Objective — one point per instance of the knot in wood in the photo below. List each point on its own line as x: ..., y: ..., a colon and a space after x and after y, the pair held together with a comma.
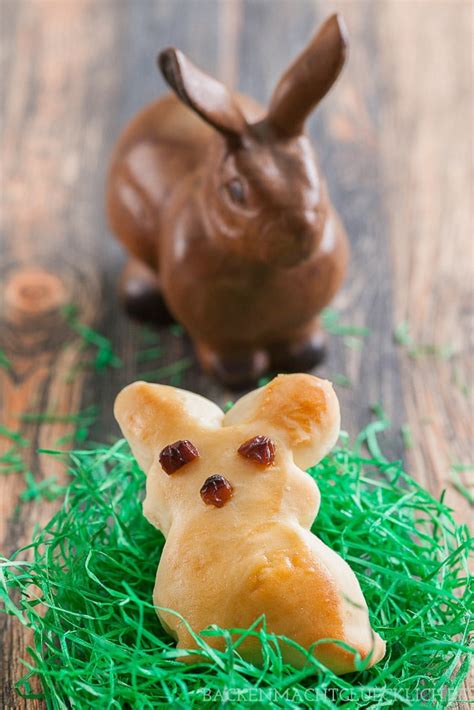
x: 34, y: 292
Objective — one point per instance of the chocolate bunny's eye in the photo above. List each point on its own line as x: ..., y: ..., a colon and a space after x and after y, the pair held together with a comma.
x: 235, y: 190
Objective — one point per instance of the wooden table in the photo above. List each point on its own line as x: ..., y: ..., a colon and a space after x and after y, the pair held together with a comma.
x: 394, y: 139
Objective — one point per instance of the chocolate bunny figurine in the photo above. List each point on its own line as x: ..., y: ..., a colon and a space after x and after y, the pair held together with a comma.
x: 227, y: 221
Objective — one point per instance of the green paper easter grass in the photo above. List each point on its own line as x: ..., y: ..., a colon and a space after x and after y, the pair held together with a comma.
x: 5, y: 362
x: 11, y: 461
x: 172, y: 369
x: 87, y: 590
x: 104, y: 356
x: 331, y: 322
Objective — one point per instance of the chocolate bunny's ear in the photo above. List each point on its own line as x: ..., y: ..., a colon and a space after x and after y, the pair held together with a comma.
x: 309, y: 78
x: 206, y: 96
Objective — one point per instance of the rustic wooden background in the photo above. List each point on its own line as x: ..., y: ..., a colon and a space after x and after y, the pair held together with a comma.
x: 394, y: 139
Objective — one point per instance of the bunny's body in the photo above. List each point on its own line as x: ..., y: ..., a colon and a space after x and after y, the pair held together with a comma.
x: 226, y: 217
x: 255, y: 554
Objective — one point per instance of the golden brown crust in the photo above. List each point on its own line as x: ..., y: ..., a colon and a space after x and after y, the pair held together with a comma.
x: 254, y: 555
x: 293, y: 404
x: 303, y: 410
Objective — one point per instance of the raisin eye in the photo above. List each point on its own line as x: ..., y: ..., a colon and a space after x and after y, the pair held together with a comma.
x: 173, y: 456
x: 235, y: 190
x: 260, y: 449
x: 216, y: 491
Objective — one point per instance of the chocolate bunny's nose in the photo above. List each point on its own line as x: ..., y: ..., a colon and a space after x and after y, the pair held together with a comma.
x: 287, y: 244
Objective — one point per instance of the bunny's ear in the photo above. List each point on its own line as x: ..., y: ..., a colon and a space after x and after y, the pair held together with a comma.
x: 203, y: 94
x: 309, y: 78
x: 153, y: 416
x: 301, y: 409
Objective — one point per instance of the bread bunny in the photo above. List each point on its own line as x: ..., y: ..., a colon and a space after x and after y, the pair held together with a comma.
x: 231, y: 497
x: 227, y: 220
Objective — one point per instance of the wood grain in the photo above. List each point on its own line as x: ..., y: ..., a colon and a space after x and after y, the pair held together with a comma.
x: 426, y: 153
x: 392, y: 141
x: 52, y: 146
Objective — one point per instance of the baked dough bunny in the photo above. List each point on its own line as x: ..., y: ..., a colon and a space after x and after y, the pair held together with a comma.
x: 230, y: 494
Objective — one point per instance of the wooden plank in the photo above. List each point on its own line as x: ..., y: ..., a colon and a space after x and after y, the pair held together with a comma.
x: 52, y: 146
x: 147, y: 28
x: 343, y: 129
x: 426, y: 151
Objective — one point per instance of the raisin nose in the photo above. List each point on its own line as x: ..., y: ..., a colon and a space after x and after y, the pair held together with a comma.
x: 216, y: 490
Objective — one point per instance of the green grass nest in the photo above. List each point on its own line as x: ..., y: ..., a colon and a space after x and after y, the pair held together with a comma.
x: 84, y: 586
